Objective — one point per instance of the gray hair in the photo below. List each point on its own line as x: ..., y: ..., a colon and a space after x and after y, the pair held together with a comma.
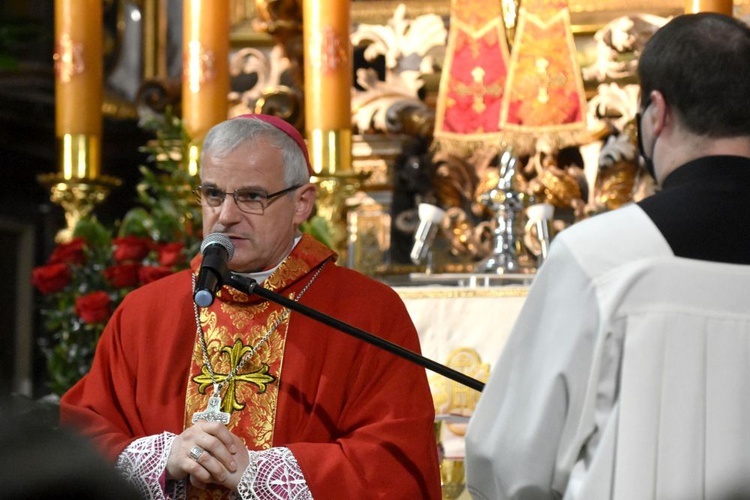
x: 227, y: 136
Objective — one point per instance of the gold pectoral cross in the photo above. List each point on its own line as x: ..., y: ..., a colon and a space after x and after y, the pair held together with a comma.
x: 259, y: 377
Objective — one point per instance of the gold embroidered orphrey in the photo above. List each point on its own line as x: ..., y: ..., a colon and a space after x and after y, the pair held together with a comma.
x: 239, y: 354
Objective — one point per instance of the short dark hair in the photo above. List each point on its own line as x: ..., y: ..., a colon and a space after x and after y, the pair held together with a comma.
x: 701, y: 64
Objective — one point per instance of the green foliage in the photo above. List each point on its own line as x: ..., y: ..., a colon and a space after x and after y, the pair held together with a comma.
x: 168, y: 209
x: 98, y: 236
x: 317, y: 227
x: 167, y: 215
x: 15, y: 34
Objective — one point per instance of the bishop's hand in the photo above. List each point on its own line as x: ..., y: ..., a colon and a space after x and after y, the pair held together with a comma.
x: 242, y: 459
x: 208, y: 453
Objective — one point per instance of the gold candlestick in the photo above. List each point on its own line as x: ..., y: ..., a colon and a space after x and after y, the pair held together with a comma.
x: 328, y: 84
x: 77, y: 197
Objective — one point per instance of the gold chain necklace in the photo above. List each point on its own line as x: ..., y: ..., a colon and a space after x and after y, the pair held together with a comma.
x: 213, y: 412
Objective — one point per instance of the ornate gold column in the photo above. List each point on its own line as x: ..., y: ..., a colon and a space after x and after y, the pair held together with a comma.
x: 725, y: 7
x: 154, y: 39
x: 79, y: 87
x: 328, y: 84
x: 205, y: 70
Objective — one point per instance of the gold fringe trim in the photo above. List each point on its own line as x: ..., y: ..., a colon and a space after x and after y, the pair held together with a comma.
x: 522, y: 143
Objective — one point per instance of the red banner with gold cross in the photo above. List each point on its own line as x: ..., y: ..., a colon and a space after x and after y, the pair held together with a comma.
x: 473, y: 77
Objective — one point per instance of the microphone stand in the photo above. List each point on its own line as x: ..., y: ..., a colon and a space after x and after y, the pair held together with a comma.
x: 250, y: 286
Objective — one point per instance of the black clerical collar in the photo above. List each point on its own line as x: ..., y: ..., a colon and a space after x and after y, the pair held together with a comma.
x: 708, y: 167
x: 698, y: 208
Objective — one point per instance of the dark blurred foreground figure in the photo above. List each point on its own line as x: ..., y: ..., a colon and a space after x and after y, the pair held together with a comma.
x: 626, y: 374
x: 308, y: 411
x: 39, y: 461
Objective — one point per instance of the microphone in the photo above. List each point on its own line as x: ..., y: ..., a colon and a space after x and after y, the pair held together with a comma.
x: 429, y: 220
x: 217, y: 250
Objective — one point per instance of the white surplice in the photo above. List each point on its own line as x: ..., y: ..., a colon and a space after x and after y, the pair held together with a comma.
x: 556, y: 418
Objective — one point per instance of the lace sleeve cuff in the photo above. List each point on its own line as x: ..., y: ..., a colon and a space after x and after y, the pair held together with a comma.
x: 273, y: 474
x: 144, y: 462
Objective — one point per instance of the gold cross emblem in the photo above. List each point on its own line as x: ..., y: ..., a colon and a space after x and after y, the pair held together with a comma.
x: 259, y: 377
x: 547, y: 80
x: 478, y: 90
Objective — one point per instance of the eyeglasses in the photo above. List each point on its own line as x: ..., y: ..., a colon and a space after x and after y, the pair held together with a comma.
x: 251, y: 201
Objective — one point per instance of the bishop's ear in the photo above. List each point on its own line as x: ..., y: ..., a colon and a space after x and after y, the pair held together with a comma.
x: 305, y: 203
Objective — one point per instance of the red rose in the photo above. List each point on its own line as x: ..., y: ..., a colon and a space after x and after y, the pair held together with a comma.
x: 123, y: 275
x: 147, y: 274
x: 51, y: 278
x: 131, y: 248
x: 94, y: 307
x: 69, y: 253
x: 170, y: 254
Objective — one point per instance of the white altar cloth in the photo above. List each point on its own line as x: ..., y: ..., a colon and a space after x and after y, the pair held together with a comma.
x: 465, y: 328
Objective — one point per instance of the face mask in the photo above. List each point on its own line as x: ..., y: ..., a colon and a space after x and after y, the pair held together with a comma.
x: 648, y: 162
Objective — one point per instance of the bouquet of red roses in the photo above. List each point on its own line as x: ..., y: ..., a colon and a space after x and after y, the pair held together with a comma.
x: 85, y: 279
x: 82, y: 283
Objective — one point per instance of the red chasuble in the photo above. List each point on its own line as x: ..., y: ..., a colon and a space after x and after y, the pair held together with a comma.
x: 358, y: 419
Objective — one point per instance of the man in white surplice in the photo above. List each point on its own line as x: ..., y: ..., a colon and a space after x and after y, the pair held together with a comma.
x: 545, y: 426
